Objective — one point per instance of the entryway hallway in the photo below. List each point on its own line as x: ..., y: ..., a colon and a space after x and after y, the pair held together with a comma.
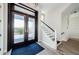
x: 46, y: 26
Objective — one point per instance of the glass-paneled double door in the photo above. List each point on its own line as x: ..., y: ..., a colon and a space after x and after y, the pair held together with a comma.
x: 23, y: 29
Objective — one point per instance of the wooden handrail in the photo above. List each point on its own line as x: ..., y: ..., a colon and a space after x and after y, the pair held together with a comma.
x: 47, y: 25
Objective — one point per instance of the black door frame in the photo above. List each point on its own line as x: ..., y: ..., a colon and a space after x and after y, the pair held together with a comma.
x: 10, y: 22
x: 25, y: 28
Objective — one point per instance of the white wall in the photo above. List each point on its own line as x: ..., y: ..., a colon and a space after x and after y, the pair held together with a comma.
x: 65, y: 19
x: 5, y: 27
x: 53, y: 17
x: 1, y: 28
x: 74, y: 25
x: 3, y: 40
x: 64, y: 27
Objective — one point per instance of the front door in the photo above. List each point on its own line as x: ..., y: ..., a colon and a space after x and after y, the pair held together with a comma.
x: 22, y: 26
x: 24, y: 29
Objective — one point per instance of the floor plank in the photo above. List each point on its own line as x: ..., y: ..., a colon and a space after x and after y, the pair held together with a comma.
x: 71, y: 47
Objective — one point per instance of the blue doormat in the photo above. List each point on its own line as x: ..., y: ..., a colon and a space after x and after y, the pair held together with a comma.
x: 28, y: 50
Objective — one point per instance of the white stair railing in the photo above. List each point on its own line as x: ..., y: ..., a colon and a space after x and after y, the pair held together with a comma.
x: 51, y: 33
x: 48, y: 30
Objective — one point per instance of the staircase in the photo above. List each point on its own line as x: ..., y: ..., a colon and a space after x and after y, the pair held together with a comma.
x: 49, y: 34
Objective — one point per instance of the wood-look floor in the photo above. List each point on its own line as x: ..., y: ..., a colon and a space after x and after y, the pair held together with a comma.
x: 71, y: 47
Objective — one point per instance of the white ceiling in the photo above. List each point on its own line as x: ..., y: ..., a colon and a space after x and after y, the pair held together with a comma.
x: 52, y: 6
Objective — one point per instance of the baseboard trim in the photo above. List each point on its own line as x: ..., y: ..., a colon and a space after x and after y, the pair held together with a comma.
x: 74, y: 39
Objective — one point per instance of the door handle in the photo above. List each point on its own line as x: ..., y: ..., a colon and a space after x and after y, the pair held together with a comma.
x: 0, y: 34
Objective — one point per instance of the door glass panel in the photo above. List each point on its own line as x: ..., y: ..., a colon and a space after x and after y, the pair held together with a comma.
x: 31, y: 28
x: 23, y: 10
x: 18, y: 28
